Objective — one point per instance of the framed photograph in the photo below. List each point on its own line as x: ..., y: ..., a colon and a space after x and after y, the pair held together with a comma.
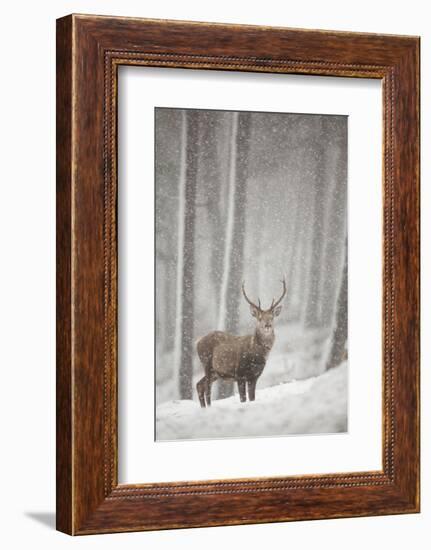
x: 237, y: 274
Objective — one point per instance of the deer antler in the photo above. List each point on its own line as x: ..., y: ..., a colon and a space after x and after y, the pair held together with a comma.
x: 248, y: 300
x: 274, y: 305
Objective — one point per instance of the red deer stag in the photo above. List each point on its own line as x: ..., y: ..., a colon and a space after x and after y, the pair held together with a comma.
x: 240, y: 358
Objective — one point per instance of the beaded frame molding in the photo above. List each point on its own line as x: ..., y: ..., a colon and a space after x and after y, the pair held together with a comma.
x: 89, y: 51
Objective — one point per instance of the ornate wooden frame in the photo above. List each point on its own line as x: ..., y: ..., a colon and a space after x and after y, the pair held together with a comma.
x: 89, y: 51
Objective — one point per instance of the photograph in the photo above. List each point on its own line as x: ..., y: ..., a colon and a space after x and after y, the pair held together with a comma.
x: 251, y: 270
x: 215, y: 284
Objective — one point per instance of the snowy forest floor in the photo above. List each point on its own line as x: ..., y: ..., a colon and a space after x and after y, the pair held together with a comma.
x: 311, y: 406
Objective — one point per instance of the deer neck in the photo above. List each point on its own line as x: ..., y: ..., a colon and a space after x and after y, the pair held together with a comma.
x: 264, y: 341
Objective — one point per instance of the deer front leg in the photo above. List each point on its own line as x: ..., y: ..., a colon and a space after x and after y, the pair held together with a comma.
x: 251, y: 386
x: 241, y: 389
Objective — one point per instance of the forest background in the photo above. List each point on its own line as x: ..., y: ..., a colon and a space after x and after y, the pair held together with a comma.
x: 254, y: 197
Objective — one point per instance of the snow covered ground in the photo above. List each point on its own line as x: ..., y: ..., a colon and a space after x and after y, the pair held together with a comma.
x: 310, y: 406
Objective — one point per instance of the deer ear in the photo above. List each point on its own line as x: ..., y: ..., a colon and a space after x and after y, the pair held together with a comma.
x: 254, y: 311
x: 277, y: 311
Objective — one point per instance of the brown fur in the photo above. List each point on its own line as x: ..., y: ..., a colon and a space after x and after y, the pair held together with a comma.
x: 239, y: 358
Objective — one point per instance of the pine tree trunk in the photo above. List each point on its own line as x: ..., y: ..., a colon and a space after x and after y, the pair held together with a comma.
x: 209, y: 166
x: 235, y: 233
x: 338, y: 351
x: 237, y: 248
x: 335, y: 226
x: 313, y: 310
x: 186, y: 254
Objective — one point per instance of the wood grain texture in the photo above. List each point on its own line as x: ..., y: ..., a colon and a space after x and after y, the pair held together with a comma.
x: 90, y: 49
x: 64, y: 497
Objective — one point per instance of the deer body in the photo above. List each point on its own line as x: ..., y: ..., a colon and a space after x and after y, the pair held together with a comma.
x: 239, y: 358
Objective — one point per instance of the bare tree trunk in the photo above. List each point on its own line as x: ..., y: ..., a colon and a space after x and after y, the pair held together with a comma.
x: 230, y: 221
x: 186, y: 253
x: 237, y: 245
x: 210, y: 174
x: 235, y: 233
x: 304, y: 263
x: 259, y: 245
x: 166, y: 206
x: 294, y: 263
x: 338, y: 351
x: 335, y: 226
x: 298, y: 208
x: 170, y: 285
x: 313, y: 310
x: 161, y: 305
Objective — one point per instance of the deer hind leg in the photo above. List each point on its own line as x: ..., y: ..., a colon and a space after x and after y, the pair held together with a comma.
x: 208, y: 391
x: 201, y: 388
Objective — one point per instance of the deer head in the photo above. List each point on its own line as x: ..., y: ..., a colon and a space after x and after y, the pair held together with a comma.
x: 265, y: 317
